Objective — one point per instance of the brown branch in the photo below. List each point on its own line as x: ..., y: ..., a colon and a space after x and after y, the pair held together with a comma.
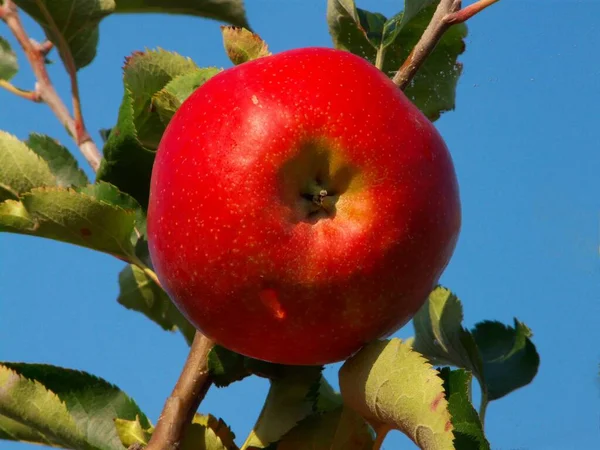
x: 448, y: 13
x: 189, y: 391
x: 35, y: 54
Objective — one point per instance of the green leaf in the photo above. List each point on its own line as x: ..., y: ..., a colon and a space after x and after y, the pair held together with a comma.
x: 433, y: 89
x: 75, y: 20
x: 502, y: 358
x: 392, y: 386
x: 169, y: 99
x: 226, y: 367
x: 206, y: 432
x: 290, y: 399
x: 440, y: 336
x: 60, y: 160
x: 367, y: 34
x: 130, y: 149
x: 73, y: 217
x: 62, y: 407
x: 132, y: 432
x: 340, y: 429
x: 231, y: 11
x: 21, y: 169
x: 510, y: 359
x: 242, y: 45
x: 468, y: 431
x: 140, y: 293
x: 8, y: 60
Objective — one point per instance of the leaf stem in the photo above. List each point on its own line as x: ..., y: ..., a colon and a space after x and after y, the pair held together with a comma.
x: 180, y: 407
x: 483, y: 407
x: 29, y: 95
x: 35, y: 54
x: 448, y: 13
x: 380, y: 434
x: 380, y: 57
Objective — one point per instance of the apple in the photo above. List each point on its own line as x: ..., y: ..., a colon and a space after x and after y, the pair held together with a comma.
x: 300, y: 207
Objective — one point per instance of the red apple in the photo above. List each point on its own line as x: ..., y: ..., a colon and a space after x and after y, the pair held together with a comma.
x: 300, y: 207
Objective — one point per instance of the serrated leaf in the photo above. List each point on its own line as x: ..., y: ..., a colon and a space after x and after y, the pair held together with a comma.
x: 130, y: 149
x: 288, y: 402
x: 126, y: 163
x: 440, y: 336
x: 231, y: 11
x: 169, y: 99
x: 358, y: 31
x: 468, y: 431
x: 225, y: 366
x: 210, y: 431
x: 73, y: 217
x: 340, y: 429
x: 132, y: 432
x: 139, y: 293
x: 61, y: 162
x: 392, y: 386
x: 242, y: 45
x: 21, y: 169
x: 206, y: 432
x: 38, y: 411
x: 8, y: 60
x: 68, y: 408
x: 76, y: 20
x: 510, y: 359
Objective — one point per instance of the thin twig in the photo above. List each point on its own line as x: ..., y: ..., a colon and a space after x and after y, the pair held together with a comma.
x: 189, y: 391
x: 447, y: 13
x: 81, y: 133
x: 35, y: 54
x: 29, y: 95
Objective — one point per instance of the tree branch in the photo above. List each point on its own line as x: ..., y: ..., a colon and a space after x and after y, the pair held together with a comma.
x: 189, y: 391
x: 447, y: 13
x: 35, y: 54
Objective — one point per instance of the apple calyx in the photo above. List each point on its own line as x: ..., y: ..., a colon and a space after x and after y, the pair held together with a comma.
x: 322, y: 201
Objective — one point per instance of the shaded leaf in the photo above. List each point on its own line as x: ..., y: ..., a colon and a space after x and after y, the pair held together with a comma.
x: 510, y: 359
x: 169, y: 99
x: 363, y: 33
x: 139, y: 293
x: 60, y: 160
x: 21, y: 169
x: 242, y: 45
x: 468, y: 431
x: 392, y: 386
x: 440, y: 336
x: 340, y: 429
x: 290, y: 399
x: 8, y: 60
x: 68, y: 408
x: 130, y: 149
x: 231, y: 11
x: 76, y: 20
x: 73, y: 217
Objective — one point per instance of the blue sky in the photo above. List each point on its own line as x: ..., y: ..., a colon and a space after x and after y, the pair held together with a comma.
x: 525, y: 141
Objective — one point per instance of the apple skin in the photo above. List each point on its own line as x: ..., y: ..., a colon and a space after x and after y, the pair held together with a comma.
x: 300, y: 207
